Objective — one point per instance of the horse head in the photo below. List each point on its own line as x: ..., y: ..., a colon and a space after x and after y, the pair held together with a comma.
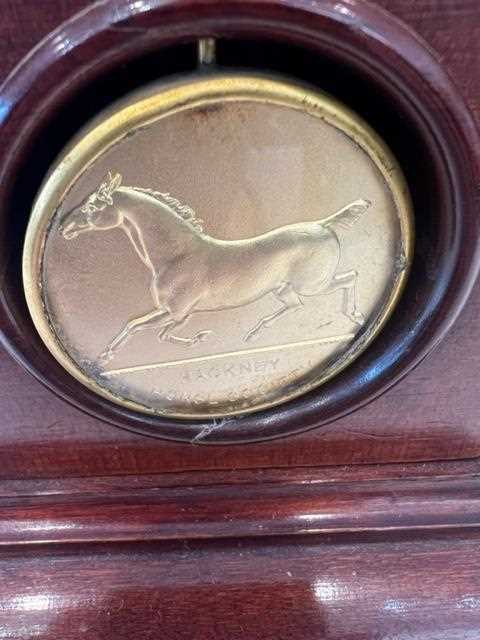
x: 96, y: 212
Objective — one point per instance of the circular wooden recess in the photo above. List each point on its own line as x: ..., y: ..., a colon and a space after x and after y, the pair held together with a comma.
x: 360, y: 54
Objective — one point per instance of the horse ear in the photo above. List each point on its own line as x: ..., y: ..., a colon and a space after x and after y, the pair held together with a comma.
x: 103, y: 188
x: 113, y: 182
x: 108, y: 186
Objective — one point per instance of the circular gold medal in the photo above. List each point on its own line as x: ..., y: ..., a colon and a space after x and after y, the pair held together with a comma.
x: 217, y: 246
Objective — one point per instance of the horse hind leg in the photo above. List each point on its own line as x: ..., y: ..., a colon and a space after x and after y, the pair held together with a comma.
x: 347, y: 282
x: 290, y: 301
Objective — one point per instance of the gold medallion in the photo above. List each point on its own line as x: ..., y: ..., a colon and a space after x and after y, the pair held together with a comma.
x: 217, y: 246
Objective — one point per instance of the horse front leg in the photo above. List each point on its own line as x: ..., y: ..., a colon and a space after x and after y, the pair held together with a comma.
x: 180, y: 302
x: 166, y: 335
x: 133, y: 326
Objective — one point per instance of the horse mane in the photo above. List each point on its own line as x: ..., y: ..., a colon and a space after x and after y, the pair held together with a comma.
x: 187, y: 214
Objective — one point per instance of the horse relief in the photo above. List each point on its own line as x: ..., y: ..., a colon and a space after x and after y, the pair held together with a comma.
x: 290, y: 263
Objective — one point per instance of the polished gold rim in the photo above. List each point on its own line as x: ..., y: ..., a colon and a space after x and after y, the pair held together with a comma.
x: 162, y: 101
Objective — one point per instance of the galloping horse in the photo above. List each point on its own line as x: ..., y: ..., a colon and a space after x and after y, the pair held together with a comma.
x: 193, y: 272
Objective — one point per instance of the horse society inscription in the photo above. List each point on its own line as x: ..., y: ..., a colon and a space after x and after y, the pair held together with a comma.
x: 217, y: 246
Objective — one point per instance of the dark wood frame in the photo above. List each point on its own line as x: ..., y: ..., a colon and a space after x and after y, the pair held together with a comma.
x: 376, y: 53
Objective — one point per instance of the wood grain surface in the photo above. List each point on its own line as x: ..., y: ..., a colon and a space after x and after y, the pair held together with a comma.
x: 365, y: 529
x: 358, y: 588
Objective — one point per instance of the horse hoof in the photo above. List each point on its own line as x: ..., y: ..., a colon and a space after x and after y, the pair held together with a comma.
x: 251, y: 336
x: 105, y: 357
x: 203, y: 335
x: 358, y: 318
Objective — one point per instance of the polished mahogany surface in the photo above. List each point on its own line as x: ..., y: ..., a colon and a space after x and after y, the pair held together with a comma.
x: 362, y: 529
x: 348, y: 588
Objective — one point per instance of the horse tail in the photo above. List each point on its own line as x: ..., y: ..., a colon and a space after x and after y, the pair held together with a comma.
x: 347, y: 216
